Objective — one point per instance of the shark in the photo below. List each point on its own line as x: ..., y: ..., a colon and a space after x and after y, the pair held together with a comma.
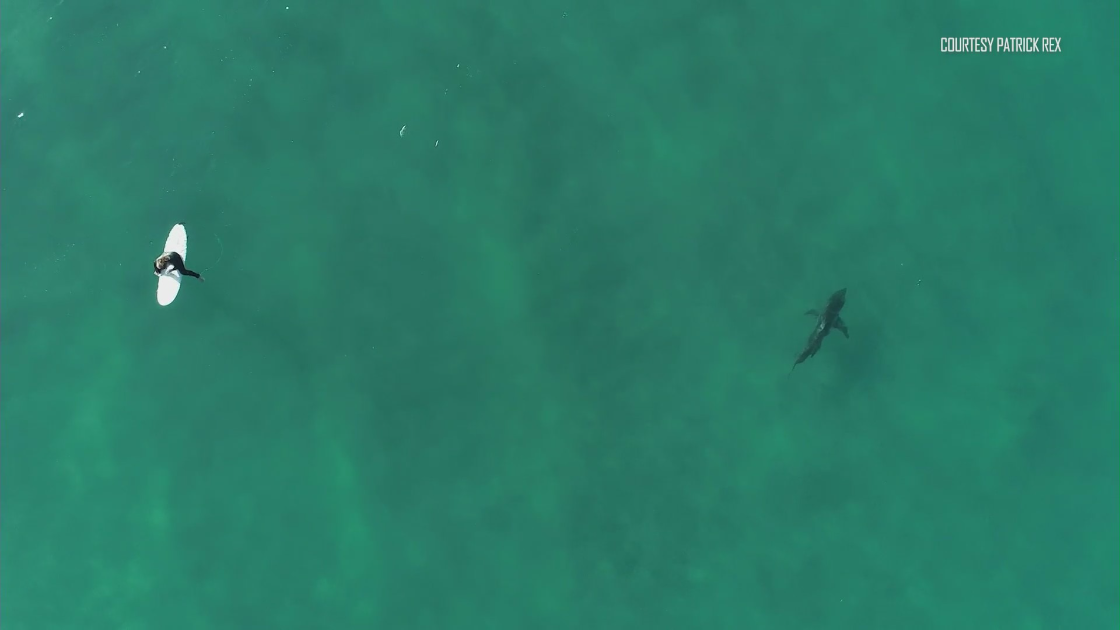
x: 827, y: 319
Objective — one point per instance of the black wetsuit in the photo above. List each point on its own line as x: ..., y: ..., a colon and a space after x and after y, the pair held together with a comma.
x: 175, y: 261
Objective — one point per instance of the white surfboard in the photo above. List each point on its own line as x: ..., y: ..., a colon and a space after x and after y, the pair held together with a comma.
x: 168, y: 285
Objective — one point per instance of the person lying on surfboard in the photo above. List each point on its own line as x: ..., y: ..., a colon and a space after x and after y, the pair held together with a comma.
x: 171, y: 261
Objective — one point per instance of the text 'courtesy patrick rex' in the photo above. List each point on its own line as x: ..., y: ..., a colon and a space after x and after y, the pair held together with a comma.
x: 1001, y: 44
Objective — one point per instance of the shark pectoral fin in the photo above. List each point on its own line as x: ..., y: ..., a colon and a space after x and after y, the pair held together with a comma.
x: 814, y: 312
x: 842, y: 327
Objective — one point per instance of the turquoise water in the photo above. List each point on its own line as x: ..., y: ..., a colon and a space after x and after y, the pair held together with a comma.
x: 501, y: 302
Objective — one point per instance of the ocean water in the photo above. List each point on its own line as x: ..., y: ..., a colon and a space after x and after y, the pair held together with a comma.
x: 501, y: 303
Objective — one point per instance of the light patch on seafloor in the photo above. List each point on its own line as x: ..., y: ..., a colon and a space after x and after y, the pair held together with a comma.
x: 137, y: 580
x: 324, y: 588
x: 87, y: 450
x: 29, y: 37
x: 354, y: 531
x: 157, y: 518
x: 88, y: 447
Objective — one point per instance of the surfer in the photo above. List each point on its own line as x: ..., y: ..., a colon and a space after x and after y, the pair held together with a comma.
x: 172, y: 261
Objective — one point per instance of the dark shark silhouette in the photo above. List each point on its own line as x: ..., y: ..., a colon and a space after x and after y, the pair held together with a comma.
x: 827, y: 319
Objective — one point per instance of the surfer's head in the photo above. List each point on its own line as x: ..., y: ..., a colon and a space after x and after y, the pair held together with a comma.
x: 162, y: 262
